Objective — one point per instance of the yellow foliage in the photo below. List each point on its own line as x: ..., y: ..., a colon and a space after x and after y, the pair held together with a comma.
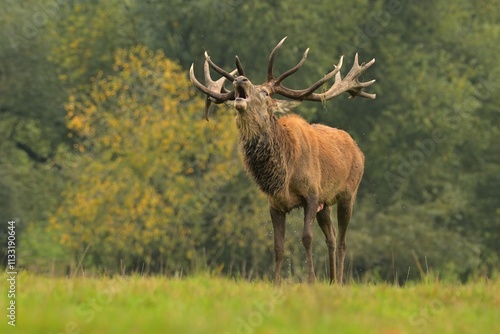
x: 150, y: 163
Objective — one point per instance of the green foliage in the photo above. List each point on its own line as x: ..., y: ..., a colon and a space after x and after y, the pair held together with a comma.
x: 85, y: 38
x: 31, y: 122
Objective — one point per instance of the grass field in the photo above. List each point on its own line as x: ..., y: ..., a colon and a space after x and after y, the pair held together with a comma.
x: 207, y: 304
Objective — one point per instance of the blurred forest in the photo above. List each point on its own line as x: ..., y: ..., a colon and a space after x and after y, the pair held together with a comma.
x: 108, y: 165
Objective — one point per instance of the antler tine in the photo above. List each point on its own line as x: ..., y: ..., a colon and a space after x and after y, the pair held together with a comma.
x: 214, y: 90
x: 213, y: 87
x: 216, y: 86
x: 334, y: 72
x: 299, y: 94
x: 354, y: 73
x: 293, y: 69
x: 218, y: 69
x: 349, y: 84
x: 270, y: 66
x: 241, y: 71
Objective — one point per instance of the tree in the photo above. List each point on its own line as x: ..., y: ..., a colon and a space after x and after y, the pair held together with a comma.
x: 31, y: 127
x: 427, y: 154
x: 149, y: 165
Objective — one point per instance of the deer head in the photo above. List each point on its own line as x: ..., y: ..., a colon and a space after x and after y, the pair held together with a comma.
x: 257, y: 102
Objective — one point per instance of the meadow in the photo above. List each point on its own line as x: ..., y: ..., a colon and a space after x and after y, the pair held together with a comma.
x: 208, y: 304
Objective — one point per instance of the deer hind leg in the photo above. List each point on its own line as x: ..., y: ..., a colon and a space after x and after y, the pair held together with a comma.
x: 310, y: 209
x: 278, y: 218
x: 344, y: 213
x: 326, y: 225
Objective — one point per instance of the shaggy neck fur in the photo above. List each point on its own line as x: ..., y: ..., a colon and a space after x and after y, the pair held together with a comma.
x: 263, y: 149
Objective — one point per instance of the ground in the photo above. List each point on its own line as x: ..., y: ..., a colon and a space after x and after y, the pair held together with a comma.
x: 208, y: 304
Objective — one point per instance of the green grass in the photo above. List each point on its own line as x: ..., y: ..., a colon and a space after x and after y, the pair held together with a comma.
x: 206, y: 304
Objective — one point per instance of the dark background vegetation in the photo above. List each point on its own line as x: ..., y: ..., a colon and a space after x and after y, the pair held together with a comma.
x: 107, y: 165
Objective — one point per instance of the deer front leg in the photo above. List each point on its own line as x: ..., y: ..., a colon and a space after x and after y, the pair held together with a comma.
x: 310, y: 210
x: 278, y: 218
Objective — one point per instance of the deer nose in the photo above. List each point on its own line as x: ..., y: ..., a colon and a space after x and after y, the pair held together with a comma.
x: 240, y: 80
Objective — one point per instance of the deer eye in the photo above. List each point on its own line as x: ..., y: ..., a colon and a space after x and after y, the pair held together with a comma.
x: 264, y: 92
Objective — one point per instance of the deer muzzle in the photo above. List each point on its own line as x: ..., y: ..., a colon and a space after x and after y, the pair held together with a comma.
x: 241, y: 85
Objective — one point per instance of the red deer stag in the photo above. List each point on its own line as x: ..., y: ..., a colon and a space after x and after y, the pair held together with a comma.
x: 295, y: 163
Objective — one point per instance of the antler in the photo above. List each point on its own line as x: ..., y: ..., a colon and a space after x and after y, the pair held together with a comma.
x: 349, y: 84
x: 215, y: 90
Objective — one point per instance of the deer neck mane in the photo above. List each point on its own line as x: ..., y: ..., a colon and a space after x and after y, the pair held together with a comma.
x: 264, y: 153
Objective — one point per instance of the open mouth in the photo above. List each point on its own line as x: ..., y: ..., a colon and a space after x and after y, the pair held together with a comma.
x: 241, y: 98
x: 240, y: 93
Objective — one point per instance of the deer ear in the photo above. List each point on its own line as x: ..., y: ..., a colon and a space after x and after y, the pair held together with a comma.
x: 284, y: 106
